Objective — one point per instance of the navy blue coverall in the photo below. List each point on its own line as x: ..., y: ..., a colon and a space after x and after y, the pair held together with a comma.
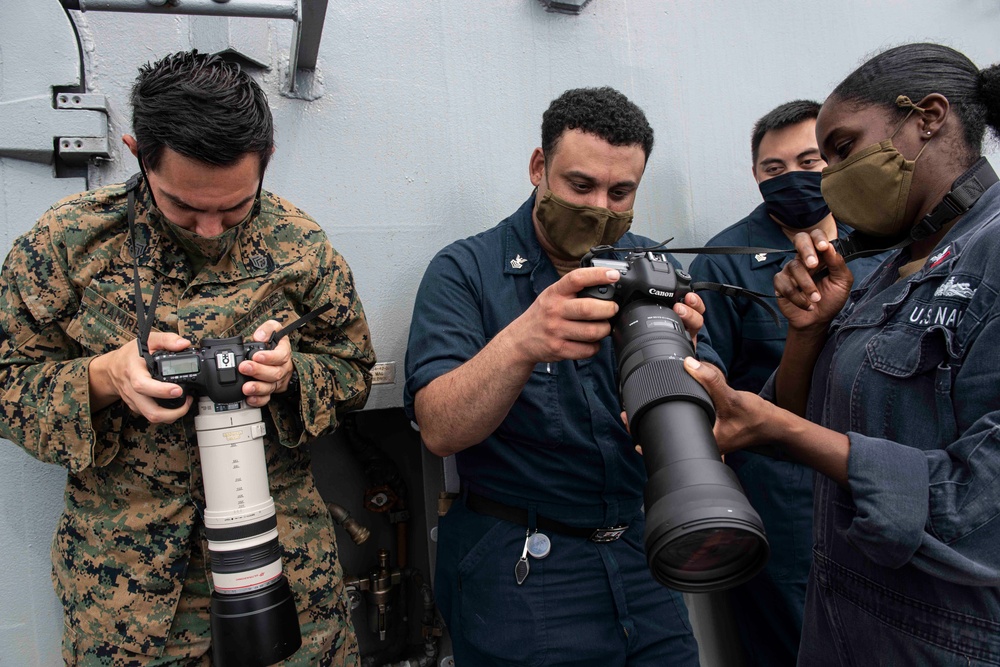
x: 562, y: 453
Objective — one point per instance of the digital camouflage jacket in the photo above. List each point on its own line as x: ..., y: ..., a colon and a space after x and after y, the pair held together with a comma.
x: 134, y: 490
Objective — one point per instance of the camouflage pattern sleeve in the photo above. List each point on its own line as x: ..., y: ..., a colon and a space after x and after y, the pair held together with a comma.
x: 333, y: 356
x: 45, y: 400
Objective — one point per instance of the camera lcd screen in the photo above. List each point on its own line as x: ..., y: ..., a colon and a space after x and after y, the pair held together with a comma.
x: 179, y: 366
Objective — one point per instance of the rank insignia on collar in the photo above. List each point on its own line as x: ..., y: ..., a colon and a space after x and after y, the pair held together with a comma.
x: 259, y: 262
x: 761, y: 256
x: 517, y: 262
x: 939, y: 257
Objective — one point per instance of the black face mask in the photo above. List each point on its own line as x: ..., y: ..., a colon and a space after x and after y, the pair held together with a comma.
x: 794, y: 199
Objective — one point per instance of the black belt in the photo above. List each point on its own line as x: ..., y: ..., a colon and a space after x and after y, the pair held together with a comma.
x: 519, y: 515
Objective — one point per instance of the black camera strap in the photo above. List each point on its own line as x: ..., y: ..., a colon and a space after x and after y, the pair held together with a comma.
x: 143, y: 317
x: 965, y: 192
x: 733, y: 291
x: 308, y: 317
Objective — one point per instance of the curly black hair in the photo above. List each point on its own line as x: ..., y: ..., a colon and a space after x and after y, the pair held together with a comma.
x: 600, y: 111
x: 202, y: 107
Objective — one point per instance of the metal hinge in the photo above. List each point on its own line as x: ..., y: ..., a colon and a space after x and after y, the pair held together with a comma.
x: 78, y: 150
x: 73, y: 124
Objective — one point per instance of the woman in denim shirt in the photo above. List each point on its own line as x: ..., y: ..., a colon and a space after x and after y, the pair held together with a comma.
x: 892, y: 390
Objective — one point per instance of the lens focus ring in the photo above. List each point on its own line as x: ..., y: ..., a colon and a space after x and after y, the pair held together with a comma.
x: 660, y: 380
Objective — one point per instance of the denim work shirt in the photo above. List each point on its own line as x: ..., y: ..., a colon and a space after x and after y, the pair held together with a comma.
x: 907, y: 558
x: 562, y: 446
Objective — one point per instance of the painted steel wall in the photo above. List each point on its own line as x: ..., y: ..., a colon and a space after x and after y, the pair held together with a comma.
x: 429, y: 112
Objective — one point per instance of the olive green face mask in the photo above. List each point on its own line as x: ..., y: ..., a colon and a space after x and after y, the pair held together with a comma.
x: 573, y: 229
x: 869, y: 190
x: 209, y: 248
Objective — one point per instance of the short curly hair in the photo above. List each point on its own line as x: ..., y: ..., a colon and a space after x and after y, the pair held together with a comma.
x: 604, y: 112
x: 202, y: 107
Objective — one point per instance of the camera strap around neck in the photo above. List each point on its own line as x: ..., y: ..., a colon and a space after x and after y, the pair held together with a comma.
x: 143, y: 317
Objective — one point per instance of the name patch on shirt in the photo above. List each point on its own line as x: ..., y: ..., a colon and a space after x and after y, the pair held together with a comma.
x: 948, y: 307
x: 943, y: 315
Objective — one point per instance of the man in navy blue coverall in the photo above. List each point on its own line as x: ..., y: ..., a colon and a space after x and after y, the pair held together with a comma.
x: 511, y: 372
x: 786, y: 166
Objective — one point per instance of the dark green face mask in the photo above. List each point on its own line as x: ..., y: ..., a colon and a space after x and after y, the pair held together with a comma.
x: 573, y: 229
x: 204, y: 249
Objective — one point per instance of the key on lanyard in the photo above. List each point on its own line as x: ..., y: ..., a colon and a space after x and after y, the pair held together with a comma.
x: 522, y: 568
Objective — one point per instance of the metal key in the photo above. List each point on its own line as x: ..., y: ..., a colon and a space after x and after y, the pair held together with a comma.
x: 522, y: 568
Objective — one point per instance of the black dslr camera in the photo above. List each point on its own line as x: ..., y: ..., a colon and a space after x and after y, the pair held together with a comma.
x: 210, y: 370
x: 643, y: 276
x: 702, y: 535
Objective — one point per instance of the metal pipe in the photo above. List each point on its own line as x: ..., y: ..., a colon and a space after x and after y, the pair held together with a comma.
x: 276, y: 9
x: 357, y: 532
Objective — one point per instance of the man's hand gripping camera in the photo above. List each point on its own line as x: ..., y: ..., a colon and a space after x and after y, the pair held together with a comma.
x: 213, y: 369
x: 643, y: 276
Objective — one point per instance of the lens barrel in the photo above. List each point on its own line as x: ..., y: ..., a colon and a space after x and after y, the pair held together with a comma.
x: 255, y: 629
x: 702, y: 534
x: 253, y: 616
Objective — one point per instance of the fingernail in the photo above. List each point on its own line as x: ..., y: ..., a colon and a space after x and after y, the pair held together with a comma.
x: 681, y: 310
x: 811, y: 261
x: 814, y: 297
x: 613, y: 274
x: 176, y: 391
x: 692, y: 363
x: 259, y: 335
x: 821, y: 245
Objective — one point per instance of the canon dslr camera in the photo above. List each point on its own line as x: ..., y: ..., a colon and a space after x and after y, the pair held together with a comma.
x: 702, y: 535
x: 210, y: 370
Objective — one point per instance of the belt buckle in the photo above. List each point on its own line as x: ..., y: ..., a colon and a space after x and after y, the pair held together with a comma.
x: 604, y: 535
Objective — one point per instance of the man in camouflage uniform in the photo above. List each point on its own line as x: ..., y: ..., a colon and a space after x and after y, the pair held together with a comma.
x: 129, y: 552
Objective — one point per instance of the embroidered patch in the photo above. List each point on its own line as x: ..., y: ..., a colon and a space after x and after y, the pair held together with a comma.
x: 259, y: 262
x: 517, y: 262
x: 942, y: 315
x: 952, y: 288
x: 940, y: 257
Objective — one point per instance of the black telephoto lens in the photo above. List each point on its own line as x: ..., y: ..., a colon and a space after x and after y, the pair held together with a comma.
x: 702, y: 535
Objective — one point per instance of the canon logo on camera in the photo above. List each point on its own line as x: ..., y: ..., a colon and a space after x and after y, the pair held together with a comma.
x: 656, y: 292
